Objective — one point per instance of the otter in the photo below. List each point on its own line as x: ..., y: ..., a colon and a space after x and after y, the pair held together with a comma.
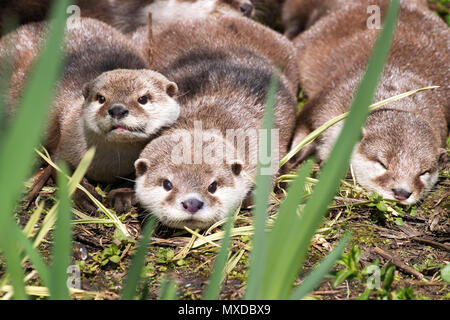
x: 128, y: 15
x: 106, y: 97
x: 300, y: 15
x: 247, y: 33
x: 194, y: 174
x: 403, y: 143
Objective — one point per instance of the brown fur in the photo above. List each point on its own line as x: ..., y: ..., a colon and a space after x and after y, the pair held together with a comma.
x: 408, y: 134
x: 299, y: 15
x: 223, y: 78
x: 125, y: 15
x: 226, y: 33
x: 98, y: 61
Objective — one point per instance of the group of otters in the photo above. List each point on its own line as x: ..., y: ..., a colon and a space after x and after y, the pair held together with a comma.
x: 209, y: 70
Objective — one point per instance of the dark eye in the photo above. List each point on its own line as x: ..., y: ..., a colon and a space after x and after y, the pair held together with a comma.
x: 381, y: 163
x: 101, y: 99
x: 212, y: 187
x: 167, y: 185
x: 143, y: 100
x: 424, y: 173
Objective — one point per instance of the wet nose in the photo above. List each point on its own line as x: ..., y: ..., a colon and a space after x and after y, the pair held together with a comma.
x: 401, y: 194
x: 118, y: 111
x: 192, y: 205
x: 246, y: 9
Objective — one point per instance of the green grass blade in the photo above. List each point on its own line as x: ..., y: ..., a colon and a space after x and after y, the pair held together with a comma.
x: 62, y: 242
x: 75, y: 183
x: 212, y: 292
x: 262, y: 192
x: 34, y: 256
x: 168, y: 290
x: 313, y: 279
x: 20, y: 139
x: 286, y: 225
x: 138, y: 261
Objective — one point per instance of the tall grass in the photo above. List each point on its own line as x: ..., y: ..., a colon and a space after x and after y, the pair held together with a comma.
x: 276, y: 256
x: 21, y: 138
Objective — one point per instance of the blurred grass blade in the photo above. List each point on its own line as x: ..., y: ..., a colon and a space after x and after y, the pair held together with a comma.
x: 335, y: 167
x: 212, y: 292
x: 62, y: 242
x: 263, y: 190
x: 313, y: 279
x: 75, y: 183
x: 167, y: 290
x: 34, y: 256
x: 29, y: 227
x: 138, y: 262
x: 16, y: 156
x: 286, y: 224
x: 313, y: 135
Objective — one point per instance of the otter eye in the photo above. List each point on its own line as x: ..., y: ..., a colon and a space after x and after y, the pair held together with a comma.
x: 212, y: 187
x: 143, y: 100
x: 424, y: 173
x: 167, y: 185
x: 101, y: 99
x: 381, y: 164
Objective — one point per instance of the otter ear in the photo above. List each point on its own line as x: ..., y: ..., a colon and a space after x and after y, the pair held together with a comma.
x: 141, y: 166
x: 236, y: 167
x: 171, y: 89
x: 86, y: 89
x: 443, y: 159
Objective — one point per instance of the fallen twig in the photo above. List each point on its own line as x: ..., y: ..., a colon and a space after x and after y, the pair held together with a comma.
x: 433, y: 243
x: 398, y: 263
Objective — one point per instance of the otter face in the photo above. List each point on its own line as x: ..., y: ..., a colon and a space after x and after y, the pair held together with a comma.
x: 180, y: 10
x: 129, y: 105
x: 195, y: 196
x: 399, y: 162
x: 187, y: 194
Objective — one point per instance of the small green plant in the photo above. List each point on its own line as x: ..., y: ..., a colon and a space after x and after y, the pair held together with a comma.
x: 388, y: 211
x: 378, y: 281
x: 350, y: 261
x: 445, y: 273
x: 109, y: 254
x: 442, y: 8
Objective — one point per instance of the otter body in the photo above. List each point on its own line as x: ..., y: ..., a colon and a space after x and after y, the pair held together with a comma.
x: 403, y: 142
x: 193, y: 174
x: 106, y: 98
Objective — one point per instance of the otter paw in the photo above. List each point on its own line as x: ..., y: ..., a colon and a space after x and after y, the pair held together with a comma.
x: 122, y: 199
x: 84, y: 203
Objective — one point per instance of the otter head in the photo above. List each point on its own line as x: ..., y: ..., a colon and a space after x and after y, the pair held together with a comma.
x: 126, y: 106
x: 181, y: 190
x: 398, y: 156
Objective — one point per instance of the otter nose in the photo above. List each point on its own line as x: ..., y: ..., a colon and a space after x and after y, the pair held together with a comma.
x: 401, y: 194
x: 118, y: 111
x: 192, y: 205
x: 246, y: 9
